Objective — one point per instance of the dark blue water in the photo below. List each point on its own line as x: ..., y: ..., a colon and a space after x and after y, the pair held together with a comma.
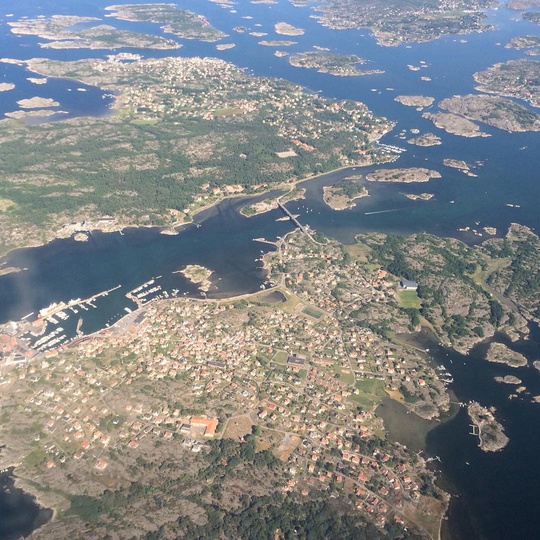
x: 19, y: 513
x: 497, y: 492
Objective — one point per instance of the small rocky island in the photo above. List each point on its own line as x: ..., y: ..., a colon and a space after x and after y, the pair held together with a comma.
x: 198, y: 275
x: 523, y: 42
x: 342, y: 65
x: 426, y: 139
x: 342, y: 195
x: 419, y: 196
x: 532, y: 16
x: 286, y: 29
x: 37, y: 103
x: 458, y: 164
x: 491, y: 437
x: 412, y: 174
x: 508, y: 379
x: 276, y: 43
x: 415, y: 101
x: 500, y: 353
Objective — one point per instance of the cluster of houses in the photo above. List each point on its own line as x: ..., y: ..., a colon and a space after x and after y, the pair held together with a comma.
x: 284, y: 368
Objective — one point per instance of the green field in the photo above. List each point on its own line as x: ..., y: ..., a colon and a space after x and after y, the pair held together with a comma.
x: 371, y: 392
x: 312, y: 312
x: 347, y: 378
x: 409, y: 299
x: 280, y: 357
x: 5, y: 204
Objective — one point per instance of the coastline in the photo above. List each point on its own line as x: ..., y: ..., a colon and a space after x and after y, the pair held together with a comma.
x: 286, y: 187
x: 46, y: 509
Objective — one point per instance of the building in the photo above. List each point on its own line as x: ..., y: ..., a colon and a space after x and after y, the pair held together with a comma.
x: 296, y: 360
x: 208, y: 425
x: 408, y: 285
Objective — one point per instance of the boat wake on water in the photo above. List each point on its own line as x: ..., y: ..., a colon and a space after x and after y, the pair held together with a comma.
x: 381, y: 211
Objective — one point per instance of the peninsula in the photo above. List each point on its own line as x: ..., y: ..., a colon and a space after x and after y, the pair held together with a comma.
x: 258, y: 401
x: 278, y: 393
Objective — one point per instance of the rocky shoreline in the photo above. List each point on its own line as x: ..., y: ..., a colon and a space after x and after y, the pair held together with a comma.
x: 491, y: 437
